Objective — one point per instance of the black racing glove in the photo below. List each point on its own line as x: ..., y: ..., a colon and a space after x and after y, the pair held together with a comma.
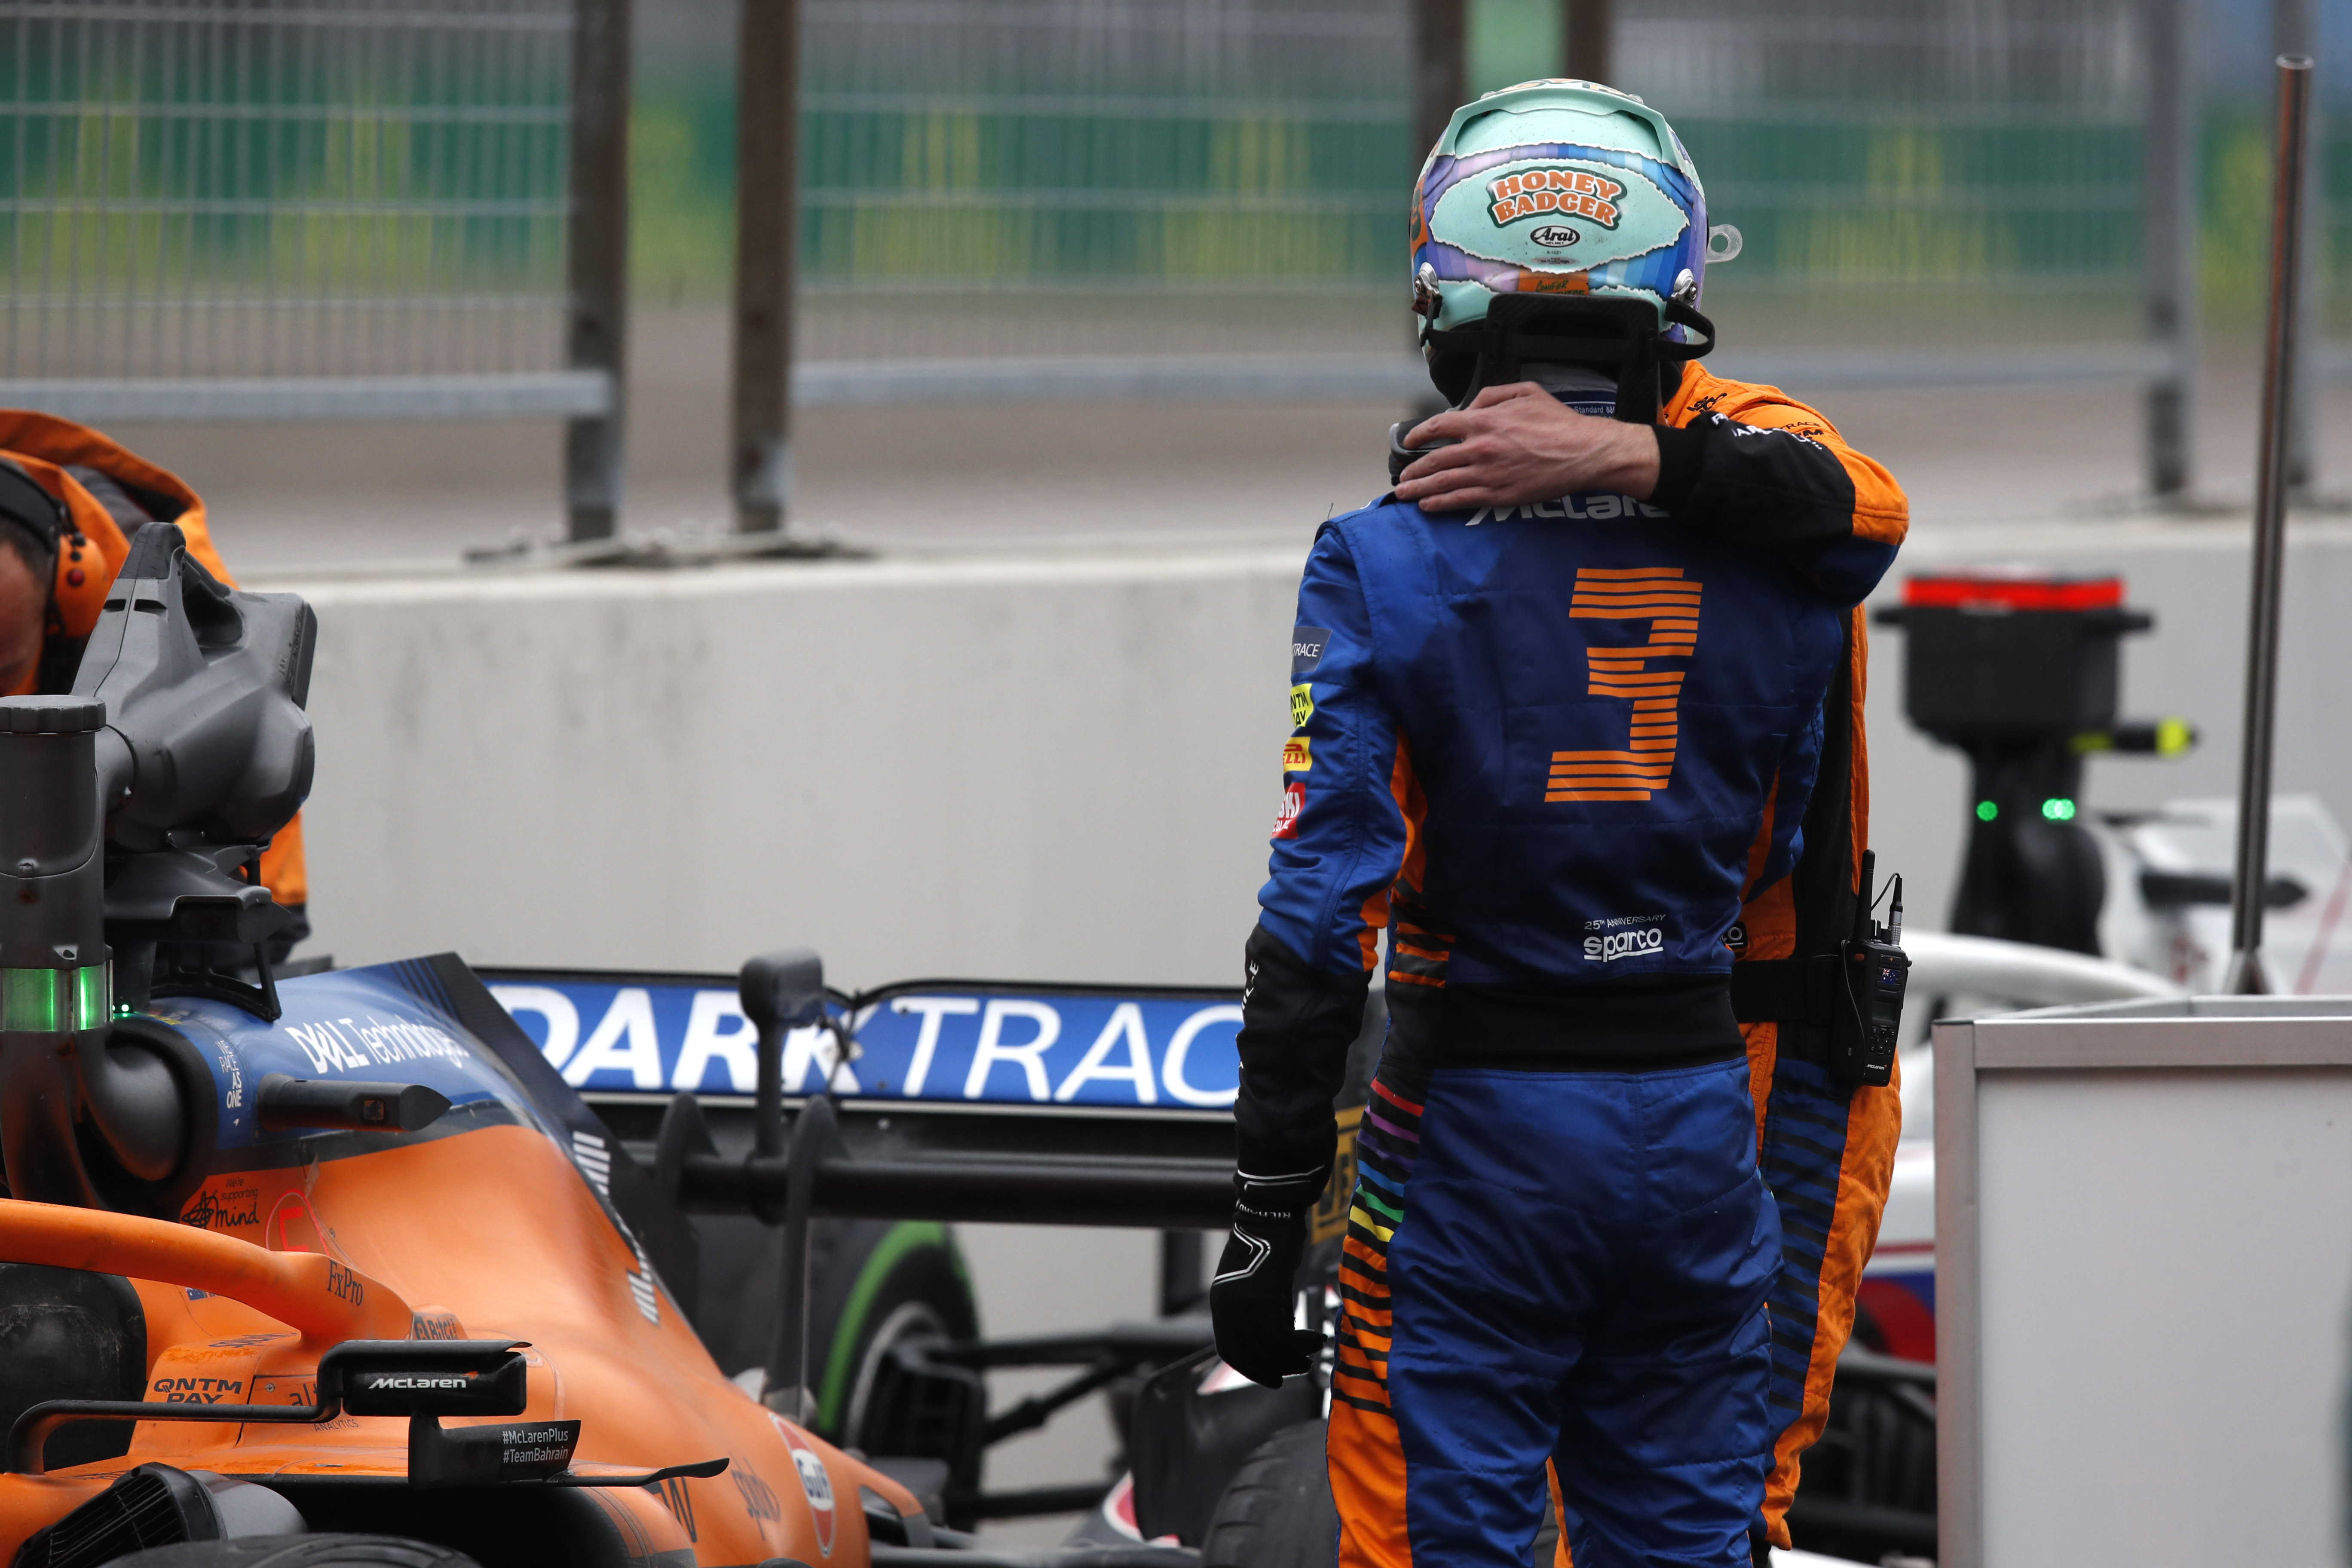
x: 1251, y: 1300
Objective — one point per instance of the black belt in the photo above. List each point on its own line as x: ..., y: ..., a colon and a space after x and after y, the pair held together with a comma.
x: 1644, y: 1026
x: 1797, y: 993
x: 1785, y: 990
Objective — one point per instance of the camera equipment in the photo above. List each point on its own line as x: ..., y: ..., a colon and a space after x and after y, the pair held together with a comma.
x: 2018, y: 668
x: 127, y: 811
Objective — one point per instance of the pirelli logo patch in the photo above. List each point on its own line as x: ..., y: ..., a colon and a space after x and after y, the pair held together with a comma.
x: 1649, y: 674
x: 1295, y: 756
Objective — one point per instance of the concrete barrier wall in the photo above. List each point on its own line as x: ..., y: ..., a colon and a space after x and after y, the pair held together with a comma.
x: 1041, y: 768
x: 1037, y: 769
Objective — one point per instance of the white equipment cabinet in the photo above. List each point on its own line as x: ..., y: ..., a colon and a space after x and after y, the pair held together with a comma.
x: 2144, y: 1282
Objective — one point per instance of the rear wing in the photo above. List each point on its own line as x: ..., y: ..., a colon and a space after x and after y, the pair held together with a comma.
x: 623, y: 1037
x: 955, y: 1100
x: 947, y: 1099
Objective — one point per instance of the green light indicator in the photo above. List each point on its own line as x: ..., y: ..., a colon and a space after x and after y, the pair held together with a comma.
x: 93, y: 994
x: 2058, y: 809
x: 55, y: 1001
x: 1987, y: 811
x: 28, y: 1000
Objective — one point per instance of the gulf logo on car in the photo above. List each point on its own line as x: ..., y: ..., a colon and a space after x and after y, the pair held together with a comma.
x: 814, y: 1483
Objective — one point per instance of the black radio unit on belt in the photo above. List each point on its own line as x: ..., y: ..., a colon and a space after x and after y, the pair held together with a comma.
x: 1867, y: 1019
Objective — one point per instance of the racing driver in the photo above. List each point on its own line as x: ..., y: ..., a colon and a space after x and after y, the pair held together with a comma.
x: 1576, y: 720
x: 70, y: 500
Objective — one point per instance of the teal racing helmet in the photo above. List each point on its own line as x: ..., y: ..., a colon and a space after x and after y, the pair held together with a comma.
x: 1560, y: 221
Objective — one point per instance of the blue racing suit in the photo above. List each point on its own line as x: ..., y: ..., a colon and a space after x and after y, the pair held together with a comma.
x: 1553, y: 750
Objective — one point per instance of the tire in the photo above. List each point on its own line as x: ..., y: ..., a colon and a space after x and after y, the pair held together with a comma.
x: 68, y: 1334
x: 888, y: 1285
x: 873, y: 1283
x: 1277, y: 1512
x: 333, y: 1550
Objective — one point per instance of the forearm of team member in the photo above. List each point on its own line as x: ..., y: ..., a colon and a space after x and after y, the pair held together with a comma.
x: 1518, y: 444
x: 1756, y: 470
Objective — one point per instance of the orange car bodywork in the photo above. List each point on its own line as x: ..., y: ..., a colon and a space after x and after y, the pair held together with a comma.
x: 487, y: 1231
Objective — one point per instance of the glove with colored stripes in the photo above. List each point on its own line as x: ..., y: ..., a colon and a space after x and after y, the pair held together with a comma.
x: 1251, y: 1300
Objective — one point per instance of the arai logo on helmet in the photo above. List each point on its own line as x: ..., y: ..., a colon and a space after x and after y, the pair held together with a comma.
x: 1555, y: 236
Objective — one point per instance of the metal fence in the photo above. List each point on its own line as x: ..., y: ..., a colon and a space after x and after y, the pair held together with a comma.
x: 1028, y: 178
x: 214, y: 208
x: 1001, y: 182
x: 1933, y: 149
x: 198, y: 190
x: 1159, y: 177
x: 1143, y: 198
x: 288, y: 209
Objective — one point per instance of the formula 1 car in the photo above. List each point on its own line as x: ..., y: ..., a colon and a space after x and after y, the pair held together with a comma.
x: 340, y: 1269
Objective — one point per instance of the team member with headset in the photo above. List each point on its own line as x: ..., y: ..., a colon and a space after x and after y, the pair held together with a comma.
x: 70, y: 502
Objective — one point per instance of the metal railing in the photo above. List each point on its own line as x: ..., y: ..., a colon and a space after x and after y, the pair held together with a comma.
x: 1133, y: 198
x: 277, y: 209
x: 316, y: 209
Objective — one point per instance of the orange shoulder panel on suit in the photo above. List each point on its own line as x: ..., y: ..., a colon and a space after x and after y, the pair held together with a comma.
x: 1881, y: 511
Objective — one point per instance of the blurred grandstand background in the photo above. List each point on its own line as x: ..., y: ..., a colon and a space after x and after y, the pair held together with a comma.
x: 358, y: 208
x: 331, y: 189
x: 1191, y: 178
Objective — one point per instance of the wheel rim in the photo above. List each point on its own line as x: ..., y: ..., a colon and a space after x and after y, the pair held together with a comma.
x: 907, y: 1322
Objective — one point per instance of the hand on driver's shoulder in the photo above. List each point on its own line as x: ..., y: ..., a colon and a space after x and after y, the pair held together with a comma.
x: 1518, y: 444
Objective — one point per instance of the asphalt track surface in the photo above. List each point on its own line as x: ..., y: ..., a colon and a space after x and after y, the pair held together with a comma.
x: 1071, y: 475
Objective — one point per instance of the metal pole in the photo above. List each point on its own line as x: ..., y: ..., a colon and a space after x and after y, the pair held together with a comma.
x: 1585, y: 31
x: 814, y: 1134
x: 1441, y: 74
x: 2168, y: 248
x: 2294, y: 30
x: 596, y: 328
x: 767, y: 197
x: 2246, y: 976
